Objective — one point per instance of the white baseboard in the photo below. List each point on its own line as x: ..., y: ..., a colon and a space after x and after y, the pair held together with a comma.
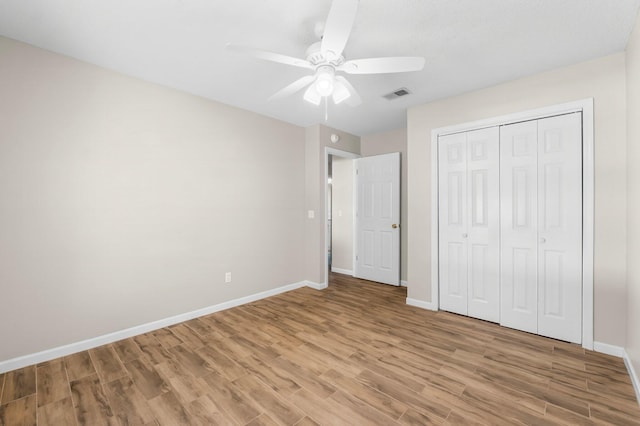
x: 421, y: 304
x: 403, y: 283
x: 619, y: 351
x: 49, y: 354
x: 632, y: 373
x: 342, y: 271
x: 317, y: 286
x: 607, y: 349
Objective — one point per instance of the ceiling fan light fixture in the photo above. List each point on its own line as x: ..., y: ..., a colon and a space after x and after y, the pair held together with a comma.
x: 340, y: 93
x: 312, y: 96
x: 325, y: 81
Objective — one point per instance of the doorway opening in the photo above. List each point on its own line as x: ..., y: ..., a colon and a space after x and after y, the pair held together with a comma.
x: 339, y: 212
x: 340, y: 215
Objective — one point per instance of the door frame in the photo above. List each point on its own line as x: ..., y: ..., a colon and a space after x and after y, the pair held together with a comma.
x: 584, y: 106
x: 343, y: 154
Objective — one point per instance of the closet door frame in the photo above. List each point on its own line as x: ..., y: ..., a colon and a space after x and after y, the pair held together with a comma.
x: 584, y: 106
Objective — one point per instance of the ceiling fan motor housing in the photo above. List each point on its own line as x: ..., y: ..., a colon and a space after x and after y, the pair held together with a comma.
x: 317, y: 57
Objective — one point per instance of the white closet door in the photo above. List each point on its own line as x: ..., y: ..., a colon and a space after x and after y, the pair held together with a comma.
x: 452, y: 193
x: 541, y: 227
x: 469, y: 243
x: 519, y: 222
x: 560, y: 227
x: 483, y: 177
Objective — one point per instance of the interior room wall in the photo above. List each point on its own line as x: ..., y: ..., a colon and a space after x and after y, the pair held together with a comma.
x: 633, y: 215
x: 342, y: 215
x: 317, y: 138
x: 385, y: 143
x: 602, y: 79
x: 124, y: 202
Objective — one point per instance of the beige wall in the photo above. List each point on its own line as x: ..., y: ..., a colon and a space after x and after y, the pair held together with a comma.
x: 633, y: 170
x: 604, y: 80
x: 318, y: 137
x: 342, y: 214
x: 385, y: 143
x: 124, y: 202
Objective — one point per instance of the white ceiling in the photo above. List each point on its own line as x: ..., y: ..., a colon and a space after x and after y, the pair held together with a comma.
x: 468, y: 44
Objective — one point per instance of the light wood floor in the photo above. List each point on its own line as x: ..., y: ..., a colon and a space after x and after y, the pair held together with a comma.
x: 351, y: 354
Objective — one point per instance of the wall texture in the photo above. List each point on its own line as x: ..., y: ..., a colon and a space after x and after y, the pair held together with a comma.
x: 342, y: 214
x: 633, y: 215
x: 604, y: 80
x: 124, y: 202
x: 385, y: 143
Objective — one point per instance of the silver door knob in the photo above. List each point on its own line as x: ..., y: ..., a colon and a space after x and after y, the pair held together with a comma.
x: 543, y: 240
x: 464, y: 235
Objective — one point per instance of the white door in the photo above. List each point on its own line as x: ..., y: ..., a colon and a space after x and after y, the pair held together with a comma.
x: 519, y: 226
x: 452, y: 246
x: 560, y: 227
x: 469, y: 243
x: 541, y: 227
x: 484, y: 223
x: 378, y: 218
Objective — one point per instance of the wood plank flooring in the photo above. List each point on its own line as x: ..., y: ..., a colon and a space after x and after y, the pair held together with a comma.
x: 352, y: 354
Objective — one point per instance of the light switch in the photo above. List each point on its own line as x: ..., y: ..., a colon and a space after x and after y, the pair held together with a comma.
x: 311, y: 214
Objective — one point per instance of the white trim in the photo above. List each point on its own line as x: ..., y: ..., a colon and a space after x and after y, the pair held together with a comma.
x: 586, y: 107
x: 421, y: 304
x: 342, y: 271
x: 632, y: 374
x: 607, y: 349
x: 435, y: 236
x: 60, y: 351
x: 404, y: 283
x: 354, y: 216
x: 533, y: 114
x: 317, y: 286
x: 588, y: 220
x: 620, y: 352
x: 338, y: 153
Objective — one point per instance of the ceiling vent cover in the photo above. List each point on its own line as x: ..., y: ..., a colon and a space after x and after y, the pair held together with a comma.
x: 403, y: 91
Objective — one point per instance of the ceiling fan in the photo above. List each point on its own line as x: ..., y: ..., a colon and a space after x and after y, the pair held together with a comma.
x: 326, y: 59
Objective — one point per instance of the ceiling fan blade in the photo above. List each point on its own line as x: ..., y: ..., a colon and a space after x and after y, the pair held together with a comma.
x: 292, y: 88
x: 269, y: 56
x: 383, y: 65
x: 354, y: 99
x: 338, y: 26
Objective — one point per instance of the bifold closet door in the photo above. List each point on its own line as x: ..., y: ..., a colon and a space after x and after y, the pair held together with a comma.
x: 469, y: 226
x: 541, y: 226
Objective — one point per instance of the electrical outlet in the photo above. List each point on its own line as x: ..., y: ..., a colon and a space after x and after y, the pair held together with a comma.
x: 227, y: 277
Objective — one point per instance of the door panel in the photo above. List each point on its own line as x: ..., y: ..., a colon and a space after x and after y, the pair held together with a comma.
x: 457, y: 274
x: 541, y: 228
x: 452, y: 192
x: 378, y: 209
x: 518, y: 227
x: 469, y: 223
x: 560, y: 227
x: 484, y: 224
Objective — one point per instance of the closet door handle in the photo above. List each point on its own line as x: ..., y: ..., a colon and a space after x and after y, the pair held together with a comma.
x: 464, y: 235
x: 543, y: 240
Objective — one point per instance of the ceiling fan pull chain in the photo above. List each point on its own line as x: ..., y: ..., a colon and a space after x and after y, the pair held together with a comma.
x: 326, y: 109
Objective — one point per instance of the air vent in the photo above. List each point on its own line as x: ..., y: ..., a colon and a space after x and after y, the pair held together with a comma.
x: 403, y: 91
